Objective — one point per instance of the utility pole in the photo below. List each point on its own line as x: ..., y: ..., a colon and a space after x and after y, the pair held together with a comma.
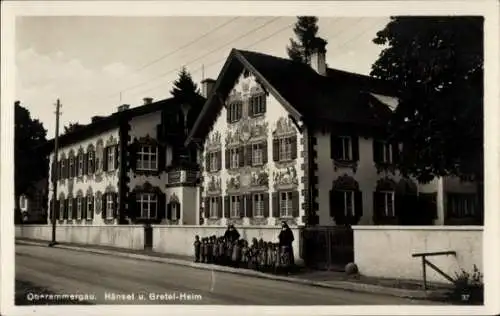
x: 56, y: 171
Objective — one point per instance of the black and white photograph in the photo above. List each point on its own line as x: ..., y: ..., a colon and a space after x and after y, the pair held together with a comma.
x: 200, y: 155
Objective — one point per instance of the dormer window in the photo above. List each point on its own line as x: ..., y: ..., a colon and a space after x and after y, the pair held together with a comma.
x: 234, y: 111
x: 257, y: 105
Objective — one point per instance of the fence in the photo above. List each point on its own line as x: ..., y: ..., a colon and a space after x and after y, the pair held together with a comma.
x: 327, y: 248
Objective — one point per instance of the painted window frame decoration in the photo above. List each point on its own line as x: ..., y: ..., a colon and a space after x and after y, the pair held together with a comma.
x: 213, y: 153
x: 90, y: 160
x: 235, y: 206
x: 258, y: 205
x: 345, y: 189
x: 80, y: 163
x: 258, y: 149
x: 284, y: 141
x: 109, y: 206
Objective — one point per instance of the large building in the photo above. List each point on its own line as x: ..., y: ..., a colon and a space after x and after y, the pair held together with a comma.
x: 129, y: 167
x: 306, y: 144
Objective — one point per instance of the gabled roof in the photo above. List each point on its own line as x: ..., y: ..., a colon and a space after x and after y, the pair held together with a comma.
x: 338, y: 97
x: 107, y: 123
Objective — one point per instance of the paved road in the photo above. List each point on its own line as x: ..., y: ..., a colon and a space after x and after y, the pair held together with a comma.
x: 68, y: 272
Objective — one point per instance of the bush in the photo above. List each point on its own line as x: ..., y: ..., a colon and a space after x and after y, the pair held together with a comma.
x: 468, y: 288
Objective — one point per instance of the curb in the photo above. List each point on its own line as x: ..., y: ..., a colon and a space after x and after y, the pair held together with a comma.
x: 339, y: 285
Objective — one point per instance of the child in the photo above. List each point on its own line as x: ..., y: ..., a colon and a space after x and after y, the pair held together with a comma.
x: 269, y: 256
x: 197, y: 247
x: 236, y: 253
x: 215, y: 250
x: 229, y: 251
x: 209, y: 249
x: 203, y: 251
x: 245, y: 255
x: 260, y: 255
x: 276, y: 258
x: 222, y: 251
x: 252, y: 254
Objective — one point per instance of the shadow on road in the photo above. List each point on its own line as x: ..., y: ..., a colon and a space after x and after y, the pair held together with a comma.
x: 25, y: 295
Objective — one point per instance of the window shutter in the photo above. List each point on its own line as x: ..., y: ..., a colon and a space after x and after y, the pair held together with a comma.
x: 264, y: 103
x: 248, y: 154
x: 294, y: 146
x: 115, y: 205
x: 169, y: 211
x: 219, y: 160
x: 295, y: 204
x: 266, y: 204
x: 276, y: 146
x: 335, y: 147
x: 377, y: 151
x: 264, y: 152
x: 66, y: 208
x: 74, y: 208
x: 241, y: 156
x: 219, y: 206
x: 248, y: 205
x: 276, y: 206
x: 228, y: 113
x: 84, y: 208
x: 337, y: 205
x: 227, y: 157
x: 105, y: 159
x: 358, y: 205
x: 117, y: 156
x: 242, y: 206
x: 91, y: 207
x: 103, y: 205
x: 395, y: 153
x: 355, y: 148
x: 250, y: 106
x: 240, y: 110
x: 226, y: 207
x: 207, y: 162
x: 206, y: 213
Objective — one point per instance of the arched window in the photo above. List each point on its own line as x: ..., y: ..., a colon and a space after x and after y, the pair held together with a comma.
x: 79, y: 205
x: 90, y: 157
x: 174, y: 208
x: 89, y: 207
x: 346, y: 201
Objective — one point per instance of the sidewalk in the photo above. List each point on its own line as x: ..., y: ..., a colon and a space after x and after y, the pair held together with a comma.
x: 327, y: 279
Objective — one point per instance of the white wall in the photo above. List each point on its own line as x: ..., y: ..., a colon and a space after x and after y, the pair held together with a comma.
x: 121, y: 236
x: 179, y: 239
x: 386, y: 251
x: 274, y: 111
x: 97, y: 183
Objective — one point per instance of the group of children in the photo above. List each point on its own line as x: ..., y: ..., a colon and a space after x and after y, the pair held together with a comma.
x: 260, y: 255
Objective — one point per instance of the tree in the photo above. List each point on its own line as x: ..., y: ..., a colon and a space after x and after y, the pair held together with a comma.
x: 305, y: 30
x: 436, y: 64
x: 30, y: 164
x: 72, y: 127
x: 185, y: 91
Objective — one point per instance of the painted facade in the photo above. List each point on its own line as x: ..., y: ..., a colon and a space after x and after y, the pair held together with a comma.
x: 87, y: 181
x: 243, y: 175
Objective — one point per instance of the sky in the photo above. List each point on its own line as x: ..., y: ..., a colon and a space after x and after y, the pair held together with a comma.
x: 94, y: 64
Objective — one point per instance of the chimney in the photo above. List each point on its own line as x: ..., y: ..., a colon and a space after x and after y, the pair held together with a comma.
x: 147, y: 101
x: 318, y: 56
x: 206, y: 87
x: 123, y: 107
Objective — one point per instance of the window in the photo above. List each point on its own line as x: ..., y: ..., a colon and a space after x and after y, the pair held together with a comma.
x: 109, y: 205
x: 111, y: 158
x: 388, y: 203
x: 214, y: 207
x: 234, y: 158
x: 387, y: 153
x: 79, y: 207
x: 348, y: 203
x: 71, y: 166
x: 461, y: 205
x: 61, y: 209
x: 258, y: 205
x: 174, y: 209
x: 80, y: 164
x: 346, y: 149
x: 213, y: 161
x: 147, y: 204
x: 234, y: 207
x: 285, y: 149
x: 257, y: 104
x: 90, y: 162
x: 257, y: 154
x: 148, y: 158
x: 286, y: 204
x: 70, y: 208
x: 90, y: 204
x: 234, y: 111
